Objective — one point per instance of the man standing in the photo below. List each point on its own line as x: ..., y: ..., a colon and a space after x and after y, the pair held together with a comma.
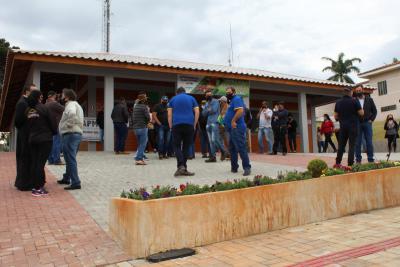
x: 281, y: 117
x: 71, y: 129
x: 205, y: 145
x: 23, y: 180
x: 120, y: 117
x: 292, y: 132
x: 55, y: 110
x: 365, y: 125
x: 264, y: 127
x: 211, y: 111
x: 235, y: 125
x: 183, y: 115
x: 141, y: 117
x: 160, y: 117
x: 347, y: 112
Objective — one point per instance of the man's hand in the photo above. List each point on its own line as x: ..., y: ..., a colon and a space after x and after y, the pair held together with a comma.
x: 234, y: 124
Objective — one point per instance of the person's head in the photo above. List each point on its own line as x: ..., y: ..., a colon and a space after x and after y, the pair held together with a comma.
x: 358, y: 91
x: 68, y: 95
x: 264, y: 104
x: 230, y: 92
x: 290, y: 116
x: 203, y: 103
x: 142, y: 97
x: 223, y: 100
x: 164, y: 100
x: 51, y: 96
x: 180, y: 90
x: 29, y: 88
x: 35, y: 96
x: 348, y: 91
x: 281, y: 105
x: 318, y: 129
x: 326, y: 117
x: 208, y: 95
x: 389, y: 117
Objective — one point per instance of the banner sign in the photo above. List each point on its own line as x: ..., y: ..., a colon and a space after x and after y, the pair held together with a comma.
x: 199, y: 85
x: 91, y: 132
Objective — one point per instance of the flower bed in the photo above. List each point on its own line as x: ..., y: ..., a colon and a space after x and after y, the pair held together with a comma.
x: 316, y: 168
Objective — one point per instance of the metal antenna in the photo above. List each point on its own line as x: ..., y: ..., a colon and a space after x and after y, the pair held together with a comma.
x: 105, y: 45
x: 230, y: 60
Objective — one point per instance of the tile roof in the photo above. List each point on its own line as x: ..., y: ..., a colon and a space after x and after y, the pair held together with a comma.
x: 379, y: 68
x: 177, y: 64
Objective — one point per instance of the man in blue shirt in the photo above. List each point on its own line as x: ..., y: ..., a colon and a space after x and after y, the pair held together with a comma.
x: 235, y: 125
x: 211, y: 111
x: 347, y: 111
x: 183, y: 114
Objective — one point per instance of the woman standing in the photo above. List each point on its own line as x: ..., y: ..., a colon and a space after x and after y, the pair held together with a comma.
x: 41, y: 130
x: 391, y: 127
x: 327, y: 130
x: 141, y: 117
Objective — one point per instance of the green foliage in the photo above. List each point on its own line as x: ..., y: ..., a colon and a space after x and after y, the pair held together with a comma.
x: 193, y: 189
x: 163, y: 191
x: 331, y: 172
x: 316, y: 167
x: 341, y: 68
x: 4, y: 47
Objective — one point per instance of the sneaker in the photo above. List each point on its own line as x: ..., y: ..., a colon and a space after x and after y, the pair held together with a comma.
x: 246, y: 172
x: 338, y: 166
x: 211, y: 159
x: 62, y: 181
x: 223, y: 156
x: 188, y: 173
x: 234, y: 171
x: 72, y: 187
x: 39, y: 192
x: 140, y: 162
x: 180, y: 171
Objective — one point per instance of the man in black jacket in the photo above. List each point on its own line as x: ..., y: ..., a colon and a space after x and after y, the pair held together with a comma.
x: 120, y: 117
x: 365, y: 125
x: 281, y: 119
x: 23, y: 181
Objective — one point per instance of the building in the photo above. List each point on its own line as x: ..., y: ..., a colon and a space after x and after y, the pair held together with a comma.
x: 100, y: 78
x: 387, y: 79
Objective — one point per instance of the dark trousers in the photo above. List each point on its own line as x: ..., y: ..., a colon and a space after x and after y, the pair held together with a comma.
x: 23, y: 159
x: 392, y: 143
x: 328, y: 140
x: 39, y: 154
x: 280, y: 139
x: 347, y: 133
x: 182, y: 136
x: 121, y: 132
x: 292, y: 141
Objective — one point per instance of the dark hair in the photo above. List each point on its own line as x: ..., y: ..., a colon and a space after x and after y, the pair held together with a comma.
x: 387, y: 117
x: 208, y: 91
x: 232, y: 88
x: 51, y: 93
x: 70, y: 94
x: 34, y: 98
x: 326, y: 115
x: 28, y: 87
x: 121, y: 99
x: 180, y: 90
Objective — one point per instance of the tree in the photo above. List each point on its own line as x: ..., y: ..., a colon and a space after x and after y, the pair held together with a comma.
x: 4, y: 47
x: 341, y: 68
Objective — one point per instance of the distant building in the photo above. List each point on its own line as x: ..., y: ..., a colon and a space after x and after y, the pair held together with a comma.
x: 387, y: 81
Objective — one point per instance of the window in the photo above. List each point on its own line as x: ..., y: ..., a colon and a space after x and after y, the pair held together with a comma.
x: 382, y: 88
x: 388, y: 108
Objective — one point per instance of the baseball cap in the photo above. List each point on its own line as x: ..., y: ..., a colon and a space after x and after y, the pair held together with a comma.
x: 164, y: 98
x: 223, y: 99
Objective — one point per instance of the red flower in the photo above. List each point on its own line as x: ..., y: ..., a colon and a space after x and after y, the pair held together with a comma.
x: 182, y: 187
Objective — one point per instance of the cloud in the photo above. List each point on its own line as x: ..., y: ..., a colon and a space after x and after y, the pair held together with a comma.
x: 283, y: 36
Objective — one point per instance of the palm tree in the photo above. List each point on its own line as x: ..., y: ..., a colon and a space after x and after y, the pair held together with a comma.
x: 341, y: 68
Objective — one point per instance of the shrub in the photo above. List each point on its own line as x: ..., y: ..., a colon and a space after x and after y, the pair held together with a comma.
x: 316, y: 167
x: 331, y: 172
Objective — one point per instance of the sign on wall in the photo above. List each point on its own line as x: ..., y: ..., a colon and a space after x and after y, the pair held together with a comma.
x: 91, y: 132
x: 199, y: 85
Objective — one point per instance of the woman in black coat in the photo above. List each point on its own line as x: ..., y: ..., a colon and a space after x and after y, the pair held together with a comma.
x: 41, y: 130
x: 392, y: 128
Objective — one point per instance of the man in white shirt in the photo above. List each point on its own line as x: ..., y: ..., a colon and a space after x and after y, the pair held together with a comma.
x: 264, y: 128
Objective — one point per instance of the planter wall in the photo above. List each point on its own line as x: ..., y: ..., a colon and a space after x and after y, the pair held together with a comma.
x: 146, y: 227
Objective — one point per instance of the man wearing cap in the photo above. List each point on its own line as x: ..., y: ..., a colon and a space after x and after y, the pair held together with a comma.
x: 211, y: 111
x: 160, y: 117
x: 183, y: 115
x: 55, y: 111
x: 236, y: 126
x: 347, y: 111
x: 281, y: 120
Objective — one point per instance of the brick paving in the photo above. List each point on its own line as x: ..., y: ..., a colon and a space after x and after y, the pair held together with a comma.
x: 48, y: 231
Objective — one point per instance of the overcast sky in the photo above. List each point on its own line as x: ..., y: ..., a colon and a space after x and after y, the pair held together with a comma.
x: 288, y: 36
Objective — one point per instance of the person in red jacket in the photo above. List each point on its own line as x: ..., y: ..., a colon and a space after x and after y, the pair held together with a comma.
x: 327, y: 129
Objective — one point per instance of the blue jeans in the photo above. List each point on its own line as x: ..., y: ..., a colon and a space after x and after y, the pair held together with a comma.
x: 71, y: 143
x: 141, y: 136
x: 54, y: 156
x: 102, y: 135
x: 237, y: 144
x: 121, y: 132
x: 163, y: 139
x: 269, y: 137
x: 365, y: 131
x: 204, y: 143
x: 215, y: 139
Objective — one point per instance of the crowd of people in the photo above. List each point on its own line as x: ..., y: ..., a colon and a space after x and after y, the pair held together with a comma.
x: 40, y: 129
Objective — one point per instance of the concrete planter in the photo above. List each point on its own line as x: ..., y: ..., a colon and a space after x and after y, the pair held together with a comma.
x: 146, y: 227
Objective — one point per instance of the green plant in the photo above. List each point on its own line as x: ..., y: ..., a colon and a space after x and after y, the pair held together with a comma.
x: 316, y: 167
x: 331, y: 172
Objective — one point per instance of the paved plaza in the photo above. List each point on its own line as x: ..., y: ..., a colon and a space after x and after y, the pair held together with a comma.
x: 70, y: 228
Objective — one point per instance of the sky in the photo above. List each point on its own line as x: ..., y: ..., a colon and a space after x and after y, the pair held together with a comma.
x: 287, y: 36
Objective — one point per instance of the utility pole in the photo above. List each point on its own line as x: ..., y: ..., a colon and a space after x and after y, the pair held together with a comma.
x: 230, y: 60
x: 105, y: 45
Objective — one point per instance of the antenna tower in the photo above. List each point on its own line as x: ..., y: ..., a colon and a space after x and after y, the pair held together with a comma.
x: 105, y: 44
